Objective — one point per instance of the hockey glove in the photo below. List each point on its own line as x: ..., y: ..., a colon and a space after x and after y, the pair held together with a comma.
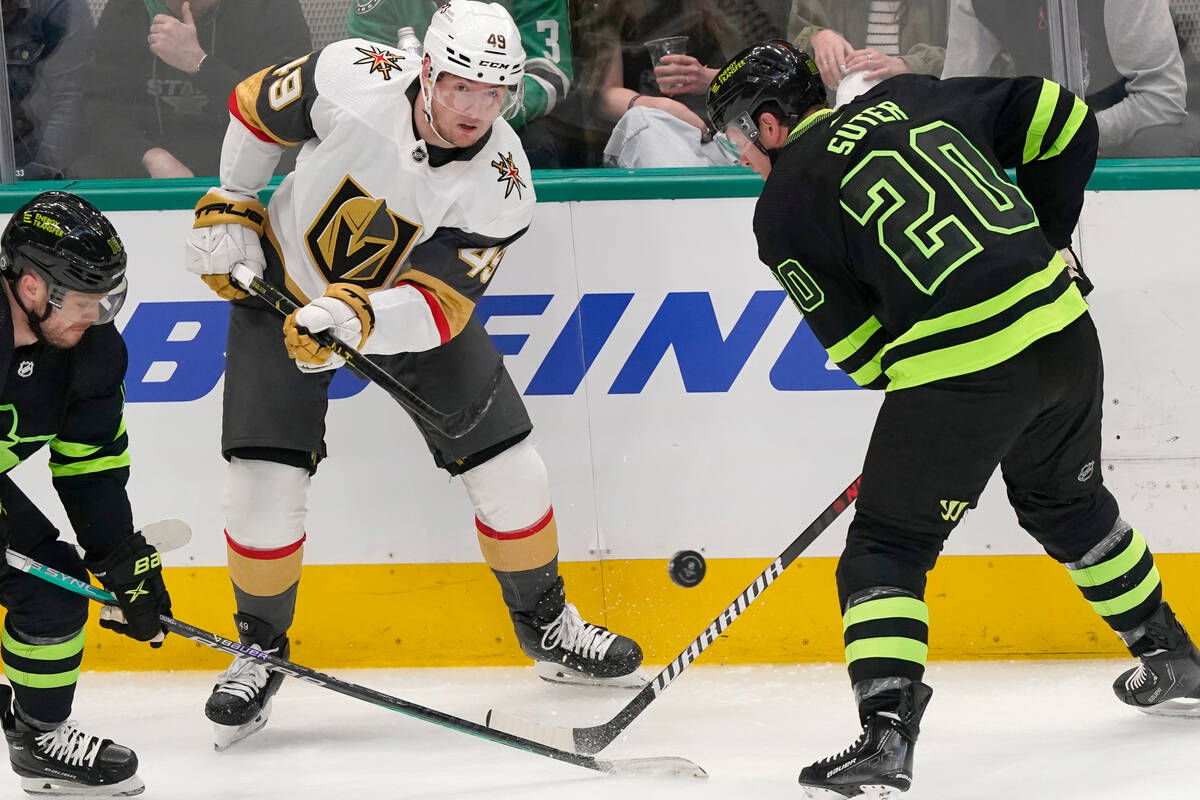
x: 1075, y: 270
x: 133, y: 572
x: 226, y: 233
x: 344, y: 310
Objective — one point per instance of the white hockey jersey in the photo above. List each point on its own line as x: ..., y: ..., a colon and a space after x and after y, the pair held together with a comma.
x: 364, y: 204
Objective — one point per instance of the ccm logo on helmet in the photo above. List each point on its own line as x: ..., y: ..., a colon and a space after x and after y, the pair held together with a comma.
x: 232, y: 209
x: 494, y: 64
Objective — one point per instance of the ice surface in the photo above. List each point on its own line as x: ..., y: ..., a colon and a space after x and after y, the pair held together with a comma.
x: 1028, y: 729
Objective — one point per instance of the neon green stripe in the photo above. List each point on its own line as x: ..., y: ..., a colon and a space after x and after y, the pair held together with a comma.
x: 988, y: 308
x: 44, y: 652
x: 1070, y: 127
x: 898, y: 647
x: 1042, y: 115
x: 38, y: 681
x: 807, y: 123
x: 868, y: 372
x: 886, y: 608
x: 1114, y: 567
x: 73, y: 449
x: 88, y: 467
x: 1124, y: 602
x: 989, y: 350
x: 851, y: 344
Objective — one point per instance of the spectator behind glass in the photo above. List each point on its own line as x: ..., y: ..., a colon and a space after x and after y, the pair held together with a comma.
x: 47, y: 44
x: 1133, y: 71
x: 659, y: 111
x: 881, y: 38
x: 545, y: 35
x: 162, y: 73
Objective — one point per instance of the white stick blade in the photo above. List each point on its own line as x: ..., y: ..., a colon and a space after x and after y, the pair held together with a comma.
x: 550, y: 735
x: 663, y: 767
x: 166, y: 535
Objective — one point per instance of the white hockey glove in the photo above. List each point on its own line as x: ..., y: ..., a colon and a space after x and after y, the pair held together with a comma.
x: 344, y: 310
x: 226, y: 232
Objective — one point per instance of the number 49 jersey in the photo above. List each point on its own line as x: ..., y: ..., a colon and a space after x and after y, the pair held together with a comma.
x: 420, y: 229
x: 893, y: 226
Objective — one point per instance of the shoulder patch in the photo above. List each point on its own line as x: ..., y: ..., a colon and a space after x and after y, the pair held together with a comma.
x: 365, y: 6
x: 510, y: 174
x: 379, y: 59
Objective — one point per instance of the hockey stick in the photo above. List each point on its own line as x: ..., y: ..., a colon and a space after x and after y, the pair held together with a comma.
x: 593, y: 739
x: 452, y: 426
x: 662, y: 766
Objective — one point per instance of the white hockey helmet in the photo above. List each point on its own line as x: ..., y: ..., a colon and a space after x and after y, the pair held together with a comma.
x: 480, y: 42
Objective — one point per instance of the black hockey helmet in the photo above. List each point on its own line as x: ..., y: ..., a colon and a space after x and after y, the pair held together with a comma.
x: 772, y: 71
x: 70, y: 244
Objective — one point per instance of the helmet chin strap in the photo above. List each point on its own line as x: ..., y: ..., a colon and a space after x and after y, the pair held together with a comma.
x: 35, y: 321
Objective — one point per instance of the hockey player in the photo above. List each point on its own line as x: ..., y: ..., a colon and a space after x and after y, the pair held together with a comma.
x: 408, y: 190
x: 62, y: 364
x: 924, y: 271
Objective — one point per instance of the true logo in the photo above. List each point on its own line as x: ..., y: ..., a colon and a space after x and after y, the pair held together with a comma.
x: 509, y: 172
x: 1086, y: 472
x: 952, y: 510
x: 357, y: 239
x: 379, y: 60
x: 25, y: 369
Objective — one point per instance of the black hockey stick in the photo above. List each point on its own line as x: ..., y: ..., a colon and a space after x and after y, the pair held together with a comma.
x: 593, y: 739
x: 453, y: 426
x: 661, y: 766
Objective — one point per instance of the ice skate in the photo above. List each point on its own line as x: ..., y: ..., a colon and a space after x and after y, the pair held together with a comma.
x: 66, y: 761
x: 240, y: 703
x: 1167, y: 678
x: 880, y: 762
x: 565, y: 649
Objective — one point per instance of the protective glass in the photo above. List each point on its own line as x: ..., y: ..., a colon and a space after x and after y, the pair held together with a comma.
x: 739, y: 136
x: 480, y: 101
x: 79, y: 307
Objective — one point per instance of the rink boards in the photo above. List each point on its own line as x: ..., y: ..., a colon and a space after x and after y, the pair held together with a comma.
x: 679, y: 402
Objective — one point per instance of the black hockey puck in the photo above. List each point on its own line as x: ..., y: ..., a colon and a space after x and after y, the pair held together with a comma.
x: 687, y: 568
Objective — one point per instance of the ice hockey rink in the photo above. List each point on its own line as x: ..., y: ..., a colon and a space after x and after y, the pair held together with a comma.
x: 994, y: 730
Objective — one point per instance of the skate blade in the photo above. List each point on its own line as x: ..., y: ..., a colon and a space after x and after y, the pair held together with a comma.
x: 55, y: 787
x: 225, y: 736
x: 864, y: 792
x: 1179, y: 707
x: 558, y: 673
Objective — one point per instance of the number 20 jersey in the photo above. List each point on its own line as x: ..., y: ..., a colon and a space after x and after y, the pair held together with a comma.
x: 893, y: 226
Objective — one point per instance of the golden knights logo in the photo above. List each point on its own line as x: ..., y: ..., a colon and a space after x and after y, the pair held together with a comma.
x: 509, y: 172
x: 380, y: 60
x: 357, y: 239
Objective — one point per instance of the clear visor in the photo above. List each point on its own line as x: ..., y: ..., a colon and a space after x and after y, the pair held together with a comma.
x: 480, y: 101
x: 84, y: 307
x: 739, y: 135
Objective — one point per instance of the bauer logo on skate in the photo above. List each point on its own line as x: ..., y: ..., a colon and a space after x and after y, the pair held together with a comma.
x: 176, y: 349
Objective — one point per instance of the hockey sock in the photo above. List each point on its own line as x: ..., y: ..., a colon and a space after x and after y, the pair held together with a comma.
x: 265, y: 582
x: 1118, y: 578
x: 886, y: 631
x: 43, y: 671
x: 524, y: 561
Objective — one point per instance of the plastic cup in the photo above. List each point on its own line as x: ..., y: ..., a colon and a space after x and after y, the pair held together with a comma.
x: 666, y: 46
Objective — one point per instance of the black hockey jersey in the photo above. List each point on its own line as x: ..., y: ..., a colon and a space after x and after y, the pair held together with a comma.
x: 74, y: 402
x: 893, y: 226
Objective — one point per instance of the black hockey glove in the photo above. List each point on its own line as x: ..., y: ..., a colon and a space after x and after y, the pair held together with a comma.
x: 1075, y: 269
x: 133, y: 572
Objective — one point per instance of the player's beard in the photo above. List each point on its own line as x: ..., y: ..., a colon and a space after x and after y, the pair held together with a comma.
x: 59, y: 335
